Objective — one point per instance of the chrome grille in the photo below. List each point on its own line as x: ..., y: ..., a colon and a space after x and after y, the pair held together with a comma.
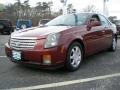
x: 19, y: 43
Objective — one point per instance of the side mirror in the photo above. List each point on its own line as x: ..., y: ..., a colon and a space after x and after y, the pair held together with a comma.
x: 93, y: 24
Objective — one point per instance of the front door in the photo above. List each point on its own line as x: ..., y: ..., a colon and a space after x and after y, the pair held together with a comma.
x: 94, y: 38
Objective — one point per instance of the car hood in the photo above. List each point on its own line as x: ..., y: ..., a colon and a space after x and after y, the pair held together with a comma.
x: 39, y: 31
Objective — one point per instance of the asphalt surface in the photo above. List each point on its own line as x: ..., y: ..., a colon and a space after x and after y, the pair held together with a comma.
x: 104, y: 63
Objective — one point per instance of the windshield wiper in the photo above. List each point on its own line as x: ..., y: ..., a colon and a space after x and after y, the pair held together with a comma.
x: 61, y: 25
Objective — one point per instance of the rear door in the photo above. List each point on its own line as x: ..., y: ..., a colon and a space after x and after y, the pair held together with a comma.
x: 107, y: 33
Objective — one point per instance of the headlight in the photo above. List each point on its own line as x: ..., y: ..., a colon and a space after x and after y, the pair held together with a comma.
x: 52, y: 40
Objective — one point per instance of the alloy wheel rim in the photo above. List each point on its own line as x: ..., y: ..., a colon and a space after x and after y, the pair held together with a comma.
x: 114, y: 44
x: 75, y: 56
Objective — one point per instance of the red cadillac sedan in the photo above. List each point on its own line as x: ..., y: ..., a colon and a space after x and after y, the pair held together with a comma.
x: 62, y: 42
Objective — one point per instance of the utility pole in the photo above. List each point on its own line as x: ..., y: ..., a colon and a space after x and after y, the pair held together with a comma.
x: 64, y: 6
x: 105, y: 9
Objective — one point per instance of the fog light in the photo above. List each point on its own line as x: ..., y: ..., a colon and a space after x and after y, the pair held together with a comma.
x: 47, y: 59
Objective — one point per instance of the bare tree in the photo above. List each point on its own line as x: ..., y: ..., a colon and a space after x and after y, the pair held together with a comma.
x: 23, y: 10
x: 17, y: 7
x: 50, y: 4
x: 90, y: 8
x: 26, y: 8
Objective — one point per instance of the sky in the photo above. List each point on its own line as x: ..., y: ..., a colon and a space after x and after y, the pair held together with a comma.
x: 112, y: 5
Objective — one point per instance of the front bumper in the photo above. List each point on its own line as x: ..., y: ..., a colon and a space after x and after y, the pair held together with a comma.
x: 35, y: 57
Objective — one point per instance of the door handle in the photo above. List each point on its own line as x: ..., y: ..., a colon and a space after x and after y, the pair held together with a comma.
x: 103, y: 31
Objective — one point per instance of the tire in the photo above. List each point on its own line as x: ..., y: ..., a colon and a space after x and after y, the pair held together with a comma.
x: 74, y: 57
x: 114, y: 44
x: 9, y: 32
x: 3, y: 33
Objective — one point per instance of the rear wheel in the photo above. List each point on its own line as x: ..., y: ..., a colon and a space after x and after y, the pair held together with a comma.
x: 114, y: 44
x: 74, y: 57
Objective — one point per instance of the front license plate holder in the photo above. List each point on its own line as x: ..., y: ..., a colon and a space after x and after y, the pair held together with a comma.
x: 16, y: 55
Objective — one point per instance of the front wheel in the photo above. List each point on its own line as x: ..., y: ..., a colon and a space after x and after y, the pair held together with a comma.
x: 74, y: 57
x: 114, y: 44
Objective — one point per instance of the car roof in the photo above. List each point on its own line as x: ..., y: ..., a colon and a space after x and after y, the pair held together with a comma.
x: 89, y: 13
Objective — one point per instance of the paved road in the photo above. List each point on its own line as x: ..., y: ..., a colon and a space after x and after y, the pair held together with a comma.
x: 98, y: 72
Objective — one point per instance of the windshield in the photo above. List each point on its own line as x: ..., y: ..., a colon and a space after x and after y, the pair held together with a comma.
x: 24, y: 22
x: 68, y: 20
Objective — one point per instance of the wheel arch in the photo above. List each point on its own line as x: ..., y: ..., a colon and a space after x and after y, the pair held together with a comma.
x: 67, y: 63
x: 79, y: 41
